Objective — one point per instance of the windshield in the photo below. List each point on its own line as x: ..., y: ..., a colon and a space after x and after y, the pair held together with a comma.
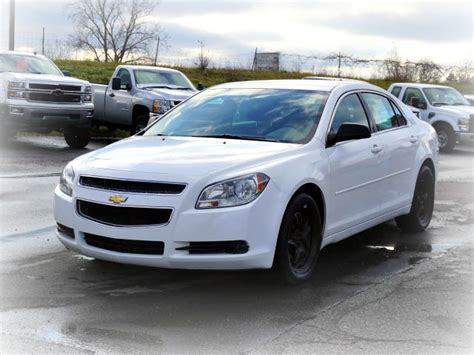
x: 444, y: 96
x: 289, y: 116
x: 18, y: 63
x: 162, y: 79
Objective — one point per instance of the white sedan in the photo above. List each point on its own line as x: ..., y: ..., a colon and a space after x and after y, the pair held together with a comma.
x: 252, y: 175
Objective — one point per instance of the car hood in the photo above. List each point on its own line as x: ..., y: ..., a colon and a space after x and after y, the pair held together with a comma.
x: 461, y: 111
x: 179, y: 158
x: 172, y: 94
x: 55, y: 79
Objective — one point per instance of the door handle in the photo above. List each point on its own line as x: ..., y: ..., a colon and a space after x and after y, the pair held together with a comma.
x: 413, y: 139
x: 112, y: 94
x: 376, y: 149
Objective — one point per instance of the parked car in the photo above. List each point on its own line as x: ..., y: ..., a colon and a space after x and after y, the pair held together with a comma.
x: 136, y: 93
x: 441, y: 106
x: 470, y: 99
x: 36, y: 96
x: 252, y: 175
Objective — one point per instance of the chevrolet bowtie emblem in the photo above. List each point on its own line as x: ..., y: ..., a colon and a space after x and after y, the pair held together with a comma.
x: 118, y: 199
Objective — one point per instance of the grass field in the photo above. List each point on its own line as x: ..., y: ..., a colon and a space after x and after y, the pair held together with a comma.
x: 100, y: 73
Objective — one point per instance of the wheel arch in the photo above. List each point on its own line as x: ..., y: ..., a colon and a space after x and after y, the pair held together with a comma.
x: 315, y: 192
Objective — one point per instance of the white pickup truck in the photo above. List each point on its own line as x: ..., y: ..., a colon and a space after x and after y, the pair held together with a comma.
x: 136, y: 93
x: 441, y: 106
x: 36, y: 96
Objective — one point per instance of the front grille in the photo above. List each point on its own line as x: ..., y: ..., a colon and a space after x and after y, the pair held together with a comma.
x: 41, y: 115
x: 221, y: 247
x: 69, y: 232
x: 125, y: 245
x: 55, y: 87
x: 48, y: 97
x: 132, y: 186
x: 123, y: 216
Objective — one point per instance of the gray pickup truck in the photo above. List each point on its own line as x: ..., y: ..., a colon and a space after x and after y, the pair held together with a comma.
x: 36, y: 96
x: 136, y: 93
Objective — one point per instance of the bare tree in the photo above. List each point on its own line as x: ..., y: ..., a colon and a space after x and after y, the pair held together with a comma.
x: 464, y: 72
x: 113, y: 30
x: 58, y: 49
x: 429, y: 71
x: 203, y: 58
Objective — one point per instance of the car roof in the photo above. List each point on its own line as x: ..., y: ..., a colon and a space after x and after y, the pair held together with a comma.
x: 22, y: 53
x: 149, y: 67
x: 297, y: 84
x: 420, y: 85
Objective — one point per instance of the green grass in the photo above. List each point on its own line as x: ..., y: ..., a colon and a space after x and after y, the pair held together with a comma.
x: 100, y: 73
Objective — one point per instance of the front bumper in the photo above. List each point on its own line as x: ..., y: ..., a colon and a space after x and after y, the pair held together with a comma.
x: 256, y: 223
x: 43, y: 117
x: 465, y: 136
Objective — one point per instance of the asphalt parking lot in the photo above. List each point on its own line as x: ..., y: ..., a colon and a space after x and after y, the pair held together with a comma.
x: 377, y: 291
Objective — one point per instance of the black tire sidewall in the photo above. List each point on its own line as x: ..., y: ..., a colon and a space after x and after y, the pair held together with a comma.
x: 138, y: 120
x: 451, y: 139
x: 77, y: 139
x: 282, y: 265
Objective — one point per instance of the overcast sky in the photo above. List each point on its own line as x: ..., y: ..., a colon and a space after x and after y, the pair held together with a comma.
x: 440, y: 30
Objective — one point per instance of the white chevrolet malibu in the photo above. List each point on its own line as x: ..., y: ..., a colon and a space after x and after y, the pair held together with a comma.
x: 252, y: 175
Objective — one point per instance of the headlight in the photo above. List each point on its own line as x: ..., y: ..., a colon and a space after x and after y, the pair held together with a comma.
x: 161, y: 106
x: 233, y: 192
x: 67, y: 179
x: 463, y: 124
x: 15, y: 89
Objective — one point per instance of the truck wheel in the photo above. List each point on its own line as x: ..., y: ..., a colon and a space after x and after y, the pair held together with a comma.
x: 77, y: 139
x: 140, y: 123
x: 299, y: 240
x: 446, y: 138
x: 422, y: 205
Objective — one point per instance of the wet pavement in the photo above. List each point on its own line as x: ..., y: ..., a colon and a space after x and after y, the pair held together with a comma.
x: 381, y: 290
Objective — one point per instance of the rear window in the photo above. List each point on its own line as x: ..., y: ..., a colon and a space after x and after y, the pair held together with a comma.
x: 396, y: 91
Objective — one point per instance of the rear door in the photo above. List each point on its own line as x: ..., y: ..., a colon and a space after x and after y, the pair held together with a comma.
x: 400, y: 143
x: 355, y: 170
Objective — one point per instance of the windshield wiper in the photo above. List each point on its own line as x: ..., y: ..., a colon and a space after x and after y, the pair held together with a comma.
x: 173, y: 87
x: 234, y: 136
x: 440, y: 104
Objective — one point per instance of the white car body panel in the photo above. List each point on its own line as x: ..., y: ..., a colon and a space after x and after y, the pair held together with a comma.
x: 359, y: 188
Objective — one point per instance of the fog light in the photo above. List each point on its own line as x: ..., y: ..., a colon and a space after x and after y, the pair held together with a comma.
x: 16, y: 110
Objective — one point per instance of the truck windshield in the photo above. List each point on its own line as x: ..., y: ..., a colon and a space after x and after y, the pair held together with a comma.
x: 17, y: 63
x: 150, y: 78
x: 444, y: 96
x: 280, y: 115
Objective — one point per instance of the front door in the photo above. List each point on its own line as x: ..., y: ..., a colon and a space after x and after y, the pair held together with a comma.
x: 355, y: 171
x: 118, y: 103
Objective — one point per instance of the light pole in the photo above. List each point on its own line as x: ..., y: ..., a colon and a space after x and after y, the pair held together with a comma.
x: 11, y: 39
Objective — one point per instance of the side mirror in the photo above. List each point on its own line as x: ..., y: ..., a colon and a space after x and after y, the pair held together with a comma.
x: 116, y: 83
x: 66, y: 73
x: 200, y: 86
x: 415, y: 102
x: 348, y: 132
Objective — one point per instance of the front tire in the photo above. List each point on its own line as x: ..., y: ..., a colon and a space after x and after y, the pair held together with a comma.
x: 299, y: 240
x: 140, y: 124
x: 446, y: 138
x: 77, y: 139
x: 422, y: 205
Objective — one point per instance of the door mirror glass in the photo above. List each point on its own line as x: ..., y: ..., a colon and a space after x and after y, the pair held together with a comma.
x: 200, y: 86
x: 116, y: 83
x: 348, y: 132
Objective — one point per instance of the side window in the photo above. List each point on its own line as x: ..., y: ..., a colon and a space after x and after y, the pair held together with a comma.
x: 349, y: 110
x: 396, y: 91
x: 124, y: 74
x: 402, y: 121
x: 381, y: 111
x: 411, y: 95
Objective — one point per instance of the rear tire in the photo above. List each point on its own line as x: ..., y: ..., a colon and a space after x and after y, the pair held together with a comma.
x: 299, y: 240
x: 77, y: 139
x: 446, y: 138
x: 422, y: 205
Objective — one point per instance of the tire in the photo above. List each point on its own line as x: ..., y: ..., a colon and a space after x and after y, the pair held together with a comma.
x: 299, y: 240
x: 446, y: 138
x: 77, y: 139
x: 422, y: 205
x: 140, y: 123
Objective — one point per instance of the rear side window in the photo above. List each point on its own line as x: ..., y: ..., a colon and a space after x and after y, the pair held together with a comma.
x: 411, y: 94
x: 349, y: 110
x: 382, y: 112
x: 396, y: 91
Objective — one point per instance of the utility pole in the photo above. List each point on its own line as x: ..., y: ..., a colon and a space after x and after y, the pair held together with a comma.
x: 42, y: 43
x: 254, y: 64
x: 339, y: 55
x: 11, y: 39
x: 157, y: 48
